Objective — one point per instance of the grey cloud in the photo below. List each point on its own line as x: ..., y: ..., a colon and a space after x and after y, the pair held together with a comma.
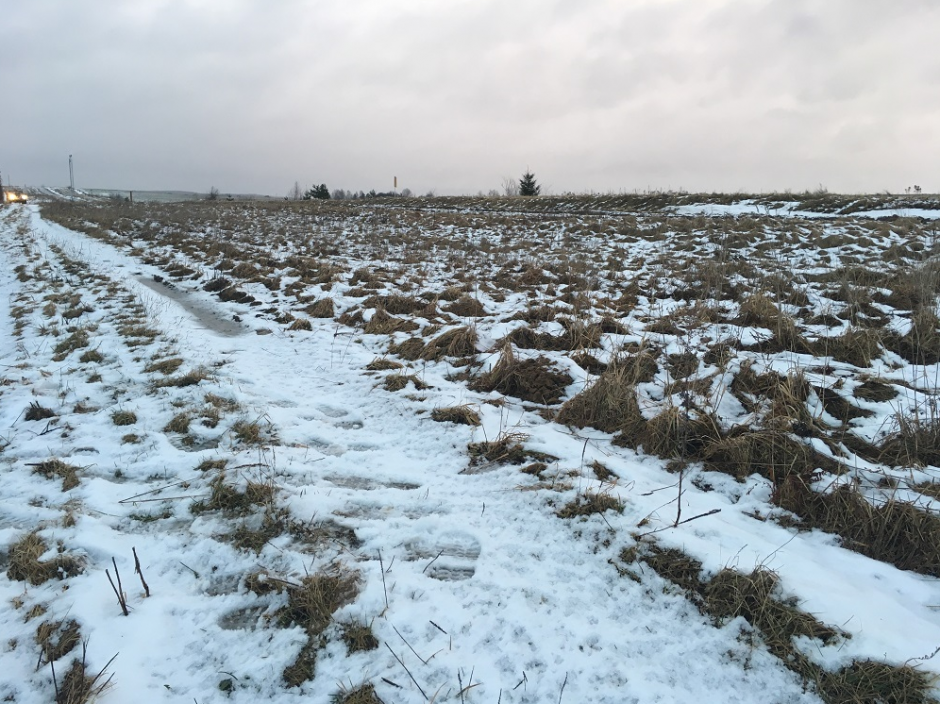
x: 455, y: 94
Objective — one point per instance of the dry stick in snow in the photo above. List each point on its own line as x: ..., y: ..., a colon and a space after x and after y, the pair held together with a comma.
x: 401, y: 662
x: 140, y: 573
x: 119, y: 589
x: 382, y: 567
x: 562, y: 692
x: 432, y: 561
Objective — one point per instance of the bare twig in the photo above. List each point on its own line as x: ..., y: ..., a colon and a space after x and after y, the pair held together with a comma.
x: 432, y: 561
x: 119, y: 589
x: 562, y: 692
x: 423, y: 661
x: 687, y: 520
x: 384, y: 588
x: 401, y: 662
x: 139, y: 573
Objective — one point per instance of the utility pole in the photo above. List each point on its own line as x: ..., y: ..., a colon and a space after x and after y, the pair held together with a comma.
x: 71, y: 175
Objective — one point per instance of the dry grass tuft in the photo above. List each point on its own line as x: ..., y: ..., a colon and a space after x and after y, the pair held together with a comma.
x: 249, y: 432
x: 590, y: 503
x: 869, y: 681
x: 178, y: 424
x: 300, y: 324
x: 770, y: 453
x: 123, y: 417
x: 91, y: 357
x: 76, y: 340
x: 533, y: 380
x: 609, y: 404
x: 363, y: 694
x: 358, y: 637
x: 409, y: 349
x: 397, y: 382
x: 80, y: 687
x: 311, y: 605
x: 459, y: 342
x: 506, y: 449
x: 322, y: 308
x: 191, y: 378
x: 875, y: 391
x: 25, y: 564
x: 56, y: 639
x: 381, y: 323
x: 916, y: 442
x: 55, y: 468
x: 381, y: 364
x: 230, y: 500
x: 466, y: 307
x: 462, y: 415
x: 896, y: 532
x: 36, y: 411
x: 164, y: 366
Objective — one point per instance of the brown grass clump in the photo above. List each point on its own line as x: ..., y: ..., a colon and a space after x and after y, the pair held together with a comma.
x: 856, y: 346
x: 466, y: 307
x: 358, y: 637
x: 76, y: 340
x: 676, y: 433
x: 602, y: 472
x: 875, y: 391
x: 381, y: 364
x: 505, y: 449
x: 459, y: 342
x: 381, y: 323
x: 36, y: 411
x: 311, y: 605
x: 869, y: 681
x: 409, y: 349
x: 896, y: 532
x: 91, y: 357
x: 916, y: 442
x: 80, y: 687
x: 322, y: 308
x: 395, y: 304
x: 178, y: 424
x: 25, y: 564
x: 249, y: 433
x: 164, y: 366
x: 397, y: 382
x: 730, y: 594
x: 300, y: 324
x: 363, y: 694
x: 921, y: 344
x: 232, y: 501
x: 462, y: 415
x: 123, y: 417
x: 56, y: 468
x: 590, y: 503
x: 191, y: 378
x: 56, y: 639
x: 770, y: 453
x: 533, y: 380
x: 609, y: 404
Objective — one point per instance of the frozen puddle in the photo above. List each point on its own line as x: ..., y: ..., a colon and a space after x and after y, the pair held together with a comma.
x: 208, y: 318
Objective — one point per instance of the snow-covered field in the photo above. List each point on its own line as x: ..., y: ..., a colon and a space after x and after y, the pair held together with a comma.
x: 308, y: 520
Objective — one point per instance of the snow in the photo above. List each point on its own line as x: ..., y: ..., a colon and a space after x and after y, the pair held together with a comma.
x: 482, y: 579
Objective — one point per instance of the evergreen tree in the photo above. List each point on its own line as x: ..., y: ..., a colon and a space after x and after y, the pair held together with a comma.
x: 320, y: 192
x: 528, y: 186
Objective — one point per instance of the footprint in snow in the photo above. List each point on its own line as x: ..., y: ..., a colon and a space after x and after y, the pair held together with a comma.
x: 451, y: 556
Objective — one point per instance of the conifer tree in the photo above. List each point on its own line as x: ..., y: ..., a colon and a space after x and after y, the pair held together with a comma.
x: 528, y: 186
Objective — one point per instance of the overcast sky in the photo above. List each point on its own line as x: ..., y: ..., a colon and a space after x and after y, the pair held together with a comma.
x: 454, y: 95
